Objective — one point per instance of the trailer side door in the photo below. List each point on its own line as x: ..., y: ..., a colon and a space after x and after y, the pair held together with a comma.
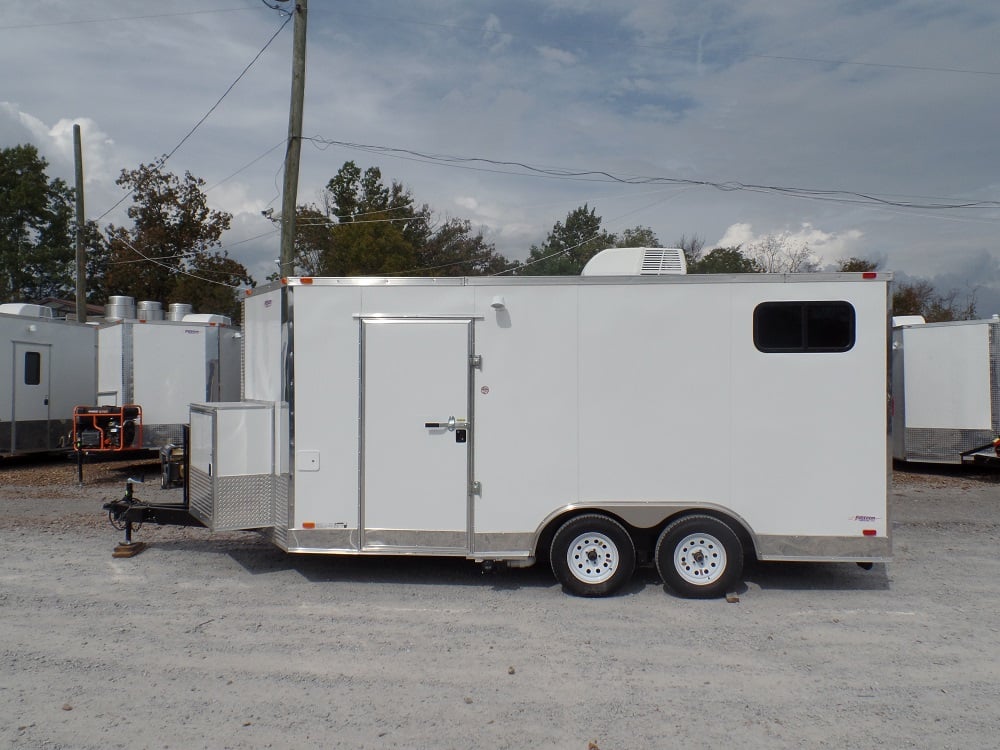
x: 31, y: 396
x: 416, y: 430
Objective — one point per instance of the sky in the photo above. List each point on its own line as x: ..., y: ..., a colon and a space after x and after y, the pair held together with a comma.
x: 862, y: 128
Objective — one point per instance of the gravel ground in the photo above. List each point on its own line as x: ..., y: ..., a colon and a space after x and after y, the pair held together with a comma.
x: 222, y: 641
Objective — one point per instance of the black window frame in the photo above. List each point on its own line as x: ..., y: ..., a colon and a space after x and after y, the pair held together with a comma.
x: 32, y: 368
x: 813, y: 337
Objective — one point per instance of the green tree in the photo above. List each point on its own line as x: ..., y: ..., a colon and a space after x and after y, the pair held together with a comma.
x: 365, y: 227
x: 452, y: 249
x: 921, y: 298
x: 638, y: 236
x: 569, y: 245
x: 36, y: 224
x: 168, y: 253
x: 856, y: 265
x: 692, y: 248
x: 724, y: 260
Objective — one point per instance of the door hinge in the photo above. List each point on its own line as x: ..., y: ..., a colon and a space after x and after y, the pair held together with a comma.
x: 477, y: 488
x: 476, y: 361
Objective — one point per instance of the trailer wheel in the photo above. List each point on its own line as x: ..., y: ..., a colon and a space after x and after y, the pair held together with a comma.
x: 592, y: 555
x: 699, y: 557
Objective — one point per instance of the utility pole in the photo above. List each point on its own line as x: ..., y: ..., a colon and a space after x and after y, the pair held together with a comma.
x: 81, y: 260
x: 294, y: 145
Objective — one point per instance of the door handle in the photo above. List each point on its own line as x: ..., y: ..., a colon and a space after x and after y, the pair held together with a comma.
x: 450, y: 425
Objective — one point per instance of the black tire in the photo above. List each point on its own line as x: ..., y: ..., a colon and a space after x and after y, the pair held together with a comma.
x: 592, y: 555
x: 699, y: 557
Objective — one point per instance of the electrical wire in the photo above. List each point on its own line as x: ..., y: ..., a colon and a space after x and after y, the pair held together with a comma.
x: 597, y: 175
x: 193, y: 253
x: 163, y: 159
x: 126, y: 18
x: 247, y: 165
x: 172, y: 268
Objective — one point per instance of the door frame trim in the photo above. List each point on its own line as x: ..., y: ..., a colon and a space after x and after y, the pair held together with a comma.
x: 470, y: 321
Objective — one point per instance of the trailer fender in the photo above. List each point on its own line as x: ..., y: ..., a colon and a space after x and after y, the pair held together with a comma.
x: 644, y: 521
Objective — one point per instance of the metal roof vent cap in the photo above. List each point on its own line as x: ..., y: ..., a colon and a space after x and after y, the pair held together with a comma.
x: 120, y: 307
x: 177, y: 310
x: 150, y: 310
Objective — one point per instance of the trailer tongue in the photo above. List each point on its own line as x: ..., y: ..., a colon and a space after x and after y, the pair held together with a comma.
x: 129, y: 514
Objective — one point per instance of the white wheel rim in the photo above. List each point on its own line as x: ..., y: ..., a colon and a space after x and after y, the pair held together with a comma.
x: 592, y: 558
x: 700, y: 559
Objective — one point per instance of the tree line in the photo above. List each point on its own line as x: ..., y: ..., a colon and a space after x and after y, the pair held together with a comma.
x: 171, y: 248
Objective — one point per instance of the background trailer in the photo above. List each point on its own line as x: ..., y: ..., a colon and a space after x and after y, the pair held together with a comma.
x: 162, y: 366
x: 50, y: 366
x: 946, y: 390
x: 596, y: 421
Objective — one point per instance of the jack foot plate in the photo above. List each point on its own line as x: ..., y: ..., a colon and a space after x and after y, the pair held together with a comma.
x: 128, y: 550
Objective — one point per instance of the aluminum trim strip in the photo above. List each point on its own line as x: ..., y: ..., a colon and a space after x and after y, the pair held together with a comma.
x: 428, y: 541
x: 391, y: 318
x: 825, y: 548
x: 995, y: 378
x: 508, y: 281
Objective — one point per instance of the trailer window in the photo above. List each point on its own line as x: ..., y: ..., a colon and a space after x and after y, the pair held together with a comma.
x: 804, y: 326
x: 32, y: 368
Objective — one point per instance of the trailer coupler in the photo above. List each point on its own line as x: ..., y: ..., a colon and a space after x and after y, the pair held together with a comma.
x: 129, y: 514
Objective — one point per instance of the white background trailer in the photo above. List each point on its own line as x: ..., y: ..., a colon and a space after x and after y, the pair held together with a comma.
x: 165, y: 365
x: 49, y: 367
x: 595, y: 420
x: 946, y: 389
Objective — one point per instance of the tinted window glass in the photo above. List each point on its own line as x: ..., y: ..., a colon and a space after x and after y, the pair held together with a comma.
x: 830, y: 326
x: 32, y: 368
x: 804, y: 326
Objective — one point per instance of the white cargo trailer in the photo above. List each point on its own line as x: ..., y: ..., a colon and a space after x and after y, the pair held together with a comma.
x: 946, y: 389
x: 596, y: 421
x: 50, y: 367
x: 162, y: 366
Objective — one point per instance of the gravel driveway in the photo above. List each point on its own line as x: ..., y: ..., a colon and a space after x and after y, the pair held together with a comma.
x: 222, y: 641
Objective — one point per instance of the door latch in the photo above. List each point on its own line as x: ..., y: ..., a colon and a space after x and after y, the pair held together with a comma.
x: 451, y: 425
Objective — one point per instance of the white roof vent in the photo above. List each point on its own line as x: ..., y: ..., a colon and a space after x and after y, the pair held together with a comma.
x: 207, y: 319
x: 907, y: 320
x: 26, y: 310
x: 636, y: 261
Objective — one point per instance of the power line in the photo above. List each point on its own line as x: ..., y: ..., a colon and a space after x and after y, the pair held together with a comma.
x: 163, y: 160
x: 896, y: 66
x: 191, y: 253
x: 174, y: 268
x: 125, y: 18
x: 246, y: 166
x: 597, y: 175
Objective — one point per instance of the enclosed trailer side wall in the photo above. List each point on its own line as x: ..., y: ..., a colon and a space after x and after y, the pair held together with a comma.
x: 37, y: 399
x: 603, y: 395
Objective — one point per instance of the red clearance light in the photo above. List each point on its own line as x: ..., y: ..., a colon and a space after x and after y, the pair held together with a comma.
x: 308, y: 525
x: 869, y: 275
x: 249, y: 292
x: 869, y: 532
x: 306, y: 280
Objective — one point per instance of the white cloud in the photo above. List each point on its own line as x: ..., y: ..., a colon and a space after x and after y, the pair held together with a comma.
x: 826, y: 247
x: 493, y: 35
x: 631, y: 87
x: 553, y: 54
